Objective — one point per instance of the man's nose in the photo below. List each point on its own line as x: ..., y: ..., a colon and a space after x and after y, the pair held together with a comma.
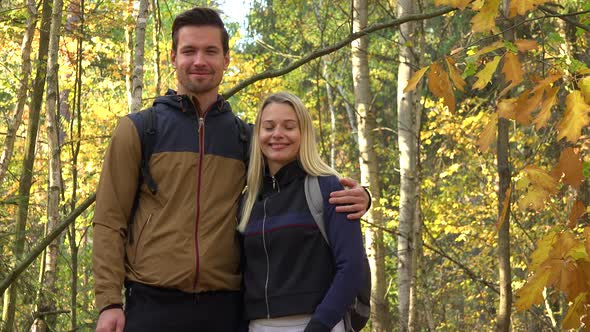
x: 199, y: 58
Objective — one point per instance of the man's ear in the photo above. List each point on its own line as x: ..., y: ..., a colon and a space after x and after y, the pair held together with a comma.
x: 173, y: 58
x: 226, y: 61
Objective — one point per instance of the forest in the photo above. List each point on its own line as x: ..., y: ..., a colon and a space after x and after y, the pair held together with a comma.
x: 468, y: 120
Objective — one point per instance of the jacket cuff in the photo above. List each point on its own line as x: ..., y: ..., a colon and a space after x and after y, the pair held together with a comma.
x: 111, y: 306
x: 370, y: 198
x: 316, y: 326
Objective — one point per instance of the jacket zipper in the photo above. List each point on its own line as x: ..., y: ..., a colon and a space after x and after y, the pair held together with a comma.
x: 201, y: 132
x: 267, y: 261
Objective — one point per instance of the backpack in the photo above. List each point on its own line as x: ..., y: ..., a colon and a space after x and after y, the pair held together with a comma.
x: 357, y: 315
x: 148, y: 141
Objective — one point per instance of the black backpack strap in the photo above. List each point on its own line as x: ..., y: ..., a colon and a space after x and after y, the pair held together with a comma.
x: 244, y: 136
x: 148, y: 140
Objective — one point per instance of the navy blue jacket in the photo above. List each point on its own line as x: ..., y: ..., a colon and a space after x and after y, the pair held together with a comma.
x: 289, y: 269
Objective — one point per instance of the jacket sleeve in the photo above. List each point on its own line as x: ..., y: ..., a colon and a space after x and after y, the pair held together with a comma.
x: 348, y: 251
x: 114, y: 200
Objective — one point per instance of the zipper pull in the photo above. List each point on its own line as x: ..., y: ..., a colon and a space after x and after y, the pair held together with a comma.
x: 274, y: 182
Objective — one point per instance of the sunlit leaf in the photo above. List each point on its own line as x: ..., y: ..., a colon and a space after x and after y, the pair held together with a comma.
x: 584, y: 85
x: 455, y: 75
x: 569, y: 168
x: 540, y: 186
x: 543, y: 249
x: 575, y: 118
x: 507, y: 108
x: 575, y: 312
x: 413, y: 81
x: 490, y: 48
x: 532, y: 292
x: 488, y: 135
x: 520, y: 7
x: 440, y: 85
x: 505, y: 204
x: 485, y: 75
x: 485, y: 19
x: 461, y: 4
x: 545, y: 114
x: 512, y: 70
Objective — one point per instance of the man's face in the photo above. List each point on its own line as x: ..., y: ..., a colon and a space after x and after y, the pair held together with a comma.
x: 199, y: 60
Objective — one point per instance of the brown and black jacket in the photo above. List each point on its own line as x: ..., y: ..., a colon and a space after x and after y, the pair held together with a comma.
x: 184, y: 235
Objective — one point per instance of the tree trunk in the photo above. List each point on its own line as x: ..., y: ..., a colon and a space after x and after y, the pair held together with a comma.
x: 156, y: 39
x: 408, y: 135
x: 369, y: 167
x: 505, y: 305
x: 129, y: 53
x: 47, y: 299
x: 137, y: 85
x: 21, y: 96
x: 26, y: 178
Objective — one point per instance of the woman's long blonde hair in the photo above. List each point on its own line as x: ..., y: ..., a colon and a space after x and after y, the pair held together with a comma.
x: 308, y: 154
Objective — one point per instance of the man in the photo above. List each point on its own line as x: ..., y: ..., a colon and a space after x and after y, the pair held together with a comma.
x: 179, y: 257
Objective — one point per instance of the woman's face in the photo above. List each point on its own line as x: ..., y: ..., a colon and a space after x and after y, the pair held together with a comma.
x: 279, y: 136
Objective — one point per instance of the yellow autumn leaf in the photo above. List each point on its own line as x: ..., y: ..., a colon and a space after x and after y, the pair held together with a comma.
x: 539, y: 186
x: 524, y: 45
x: 440, y: 85
x: 490, y: 48
x: 455, y: 75
x: 575, y: 118
x: 584, y: 85
x: 461, y: 4
x: 512, y: 69
x: 541, y: 253
x: 505, y: 205
x: 532, y: 292
x: 413, y: 81
x: 520, y: 7
x: 575, y: 312
x: 485, y: 75
x: 488, y: 135
x: 526, y: 104
x: 544, y: 115
x: 485, y: 19
x: 506, y: 108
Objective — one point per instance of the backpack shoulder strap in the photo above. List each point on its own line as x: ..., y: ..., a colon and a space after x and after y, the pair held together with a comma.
x: 148, y: 140
x: 315, y: 202
x: 244, y: 136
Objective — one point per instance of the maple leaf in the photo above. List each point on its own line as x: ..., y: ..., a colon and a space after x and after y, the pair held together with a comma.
x: 544, y: 247
x: 413, y: 81
x: 539, y: 185
x: 532, y: 292
x: 578, y: 210
x: 524, y: 45
x: 485, y: 75
x: 490, y: 48
x: 546, y: 82
x: 506, y: 108
x: 512, y: 70
x: 526, y: 104
x: 485, y: 19
x: 575, y: 118
x: 575, y: 312
x: 440, y: 86
x: 584, y: 85
x: 488, y: 135
x: 455, y: 75
x: 505, y: 205
x: 569, y: 168
x: 545, y: 114
x: 461, y: 4
x: 520, y: 7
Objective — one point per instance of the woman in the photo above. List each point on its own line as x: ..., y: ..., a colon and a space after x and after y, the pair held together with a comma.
x: 294, y: 280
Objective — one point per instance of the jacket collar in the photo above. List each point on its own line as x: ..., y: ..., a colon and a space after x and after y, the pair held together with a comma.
x: 287, y: 174
x: 183, y: 103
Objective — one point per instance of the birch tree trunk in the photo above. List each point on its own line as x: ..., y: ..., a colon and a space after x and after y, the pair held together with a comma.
x: 505, y: 304
x: 137, y: 85
x: 156, y: 39
x: 408, y: 135
x: 21, y: 95
x: 369, y: 167
x: 26, y: 178
x: 129, y: 53
x: 47, y: 300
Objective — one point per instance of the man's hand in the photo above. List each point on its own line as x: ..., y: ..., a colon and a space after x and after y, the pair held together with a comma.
x: 111, y: 320
x: 355, y: 200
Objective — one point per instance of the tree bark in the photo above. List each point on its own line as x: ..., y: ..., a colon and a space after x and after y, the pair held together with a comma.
x: 505, y: 279
x: 26, y: 178
x: 369, y: 167
x: 408, y: 136
x: 137, y: 85
x: 156, y: 35
x: 21, y: 95
x: 129, y: 53
x: 47, y: 300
